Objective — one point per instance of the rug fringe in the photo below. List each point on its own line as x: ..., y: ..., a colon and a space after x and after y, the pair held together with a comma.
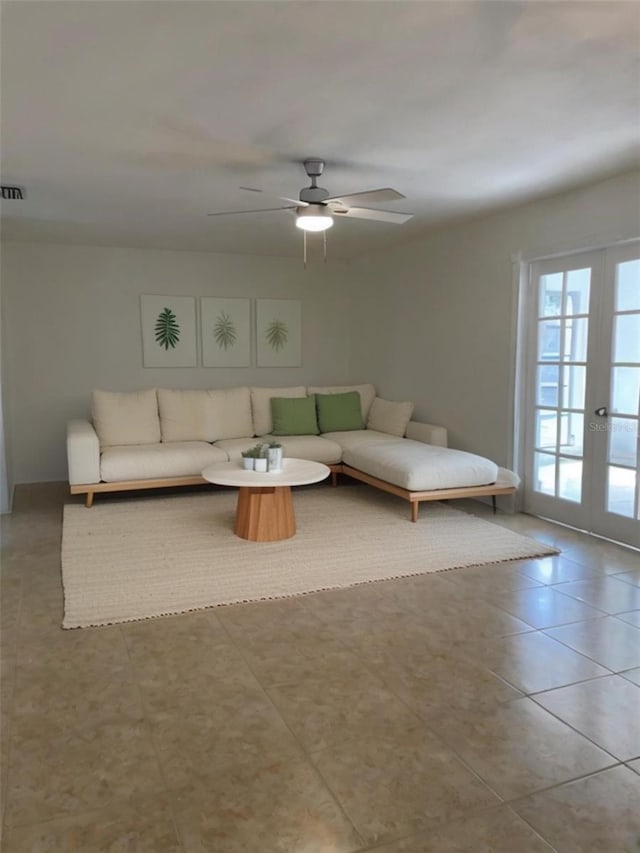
x: 549, y: 552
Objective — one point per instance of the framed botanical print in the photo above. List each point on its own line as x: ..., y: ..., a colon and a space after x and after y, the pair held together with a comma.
x: 225, y: 325
x: 279, y: 332
x: 168, y: 331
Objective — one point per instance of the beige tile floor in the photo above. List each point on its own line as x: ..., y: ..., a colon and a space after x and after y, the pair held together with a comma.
x: 494, y: 708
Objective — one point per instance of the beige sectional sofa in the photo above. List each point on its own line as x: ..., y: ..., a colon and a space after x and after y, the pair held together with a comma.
x: 165, y: 437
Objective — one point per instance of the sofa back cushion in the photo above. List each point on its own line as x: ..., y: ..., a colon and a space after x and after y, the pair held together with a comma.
x: 339, y: 412
x: 125, y: 417
x: 387, y: 416
x: 294, y: 415
x: 367, y: 394
x: 261, y: 405
x: 205, y: 415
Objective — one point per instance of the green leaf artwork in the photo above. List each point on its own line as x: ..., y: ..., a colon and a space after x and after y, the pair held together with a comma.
x: 167, y: 329
x: 277, y: 335
x: 224, y: 331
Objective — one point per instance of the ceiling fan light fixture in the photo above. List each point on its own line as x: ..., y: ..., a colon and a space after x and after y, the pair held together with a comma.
x: 313, y: 217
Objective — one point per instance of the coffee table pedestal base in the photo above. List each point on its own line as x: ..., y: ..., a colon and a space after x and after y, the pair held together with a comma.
x: 265, y: 514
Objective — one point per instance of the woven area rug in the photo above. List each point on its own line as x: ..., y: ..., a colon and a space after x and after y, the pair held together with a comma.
x: 137, y: 558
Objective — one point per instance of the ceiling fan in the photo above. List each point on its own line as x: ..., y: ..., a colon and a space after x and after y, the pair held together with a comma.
x: 315, y: 208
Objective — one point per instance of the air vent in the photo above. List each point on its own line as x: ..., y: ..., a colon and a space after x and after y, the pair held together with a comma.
x: 16, y: 193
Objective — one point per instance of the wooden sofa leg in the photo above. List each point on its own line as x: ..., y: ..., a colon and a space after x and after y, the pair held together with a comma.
x: 89, y: 500
x: 334, y: 478
x: 414, y: 510
x: 493, y: 504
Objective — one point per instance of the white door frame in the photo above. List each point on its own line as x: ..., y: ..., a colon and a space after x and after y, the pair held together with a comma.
x: 525, y: 345
x: 611, y: 525
x: 566, y: 511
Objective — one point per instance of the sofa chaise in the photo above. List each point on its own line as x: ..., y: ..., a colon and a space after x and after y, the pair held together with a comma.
x: 162, y: 437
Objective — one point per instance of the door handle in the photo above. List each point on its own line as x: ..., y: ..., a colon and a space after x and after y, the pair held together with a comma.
x: 602, y: 412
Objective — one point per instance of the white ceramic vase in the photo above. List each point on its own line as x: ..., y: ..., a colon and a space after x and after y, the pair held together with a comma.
x: 260, y: 463
x: 275, y: 459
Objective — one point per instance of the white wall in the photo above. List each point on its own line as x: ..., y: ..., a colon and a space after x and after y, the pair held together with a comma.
x: 6, y: 489
x: 72, y: 323
x: 433, y: 321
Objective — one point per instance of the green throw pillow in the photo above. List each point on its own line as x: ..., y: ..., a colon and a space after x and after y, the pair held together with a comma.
x: 337, y: 412
x: 294, y: 415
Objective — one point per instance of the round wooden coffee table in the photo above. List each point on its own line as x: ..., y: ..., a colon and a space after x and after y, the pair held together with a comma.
x: 264, y: 511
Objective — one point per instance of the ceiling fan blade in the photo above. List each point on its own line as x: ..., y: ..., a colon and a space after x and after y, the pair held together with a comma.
x: 369, y: 213
x: 370, y: 196
x: 295, y: 201
x: 257, y: 210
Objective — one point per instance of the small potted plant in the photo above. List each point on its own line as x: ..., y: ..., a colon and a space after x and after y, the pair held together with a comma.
x: 275, y: 456
x: 248, y: 459
x: 261, y: 461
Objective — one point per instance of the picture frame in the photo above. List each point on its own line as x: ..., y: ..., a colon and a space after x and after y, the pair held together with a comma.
x: 168, y: 326
x: 279, y: 332
x: 225, y: 331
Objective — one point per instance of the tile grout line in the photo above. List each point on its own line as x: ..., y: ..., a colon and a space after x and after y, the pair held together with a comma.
x: 588, y: 657
x: 439, y: 738
x: 367, y: 667
x: 556, y: 588
x: 531, y: 694
x: 14, y: 670
x: 523, y: 695
x: 515, y: 800
x: 582, y: 734
x: 147, y: 722
x: 304, y: 751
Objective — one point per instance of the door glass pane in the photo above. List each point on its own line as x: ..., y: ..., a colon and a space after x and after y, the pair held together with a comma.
x: 621, y: 487
x: 575, y: 340
x: 578, y: 291
x: 626, y: 346
x: 628, y: 286
x: 570, y: 480
x: 544, y: 473
x: 573, y: 385
x: 550, y: 295
x: 547, y: 384
x: 566, y: 439
x: 571, y: 432
x: 549, y: 340
x: 625, y: 396
x: 546, y: 429
x: 623, y: 441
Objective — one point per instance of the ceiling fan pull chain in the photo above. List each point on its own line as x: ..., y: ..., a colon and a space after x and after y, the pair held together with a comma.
x: 304, y: 243
x: 324, y: 240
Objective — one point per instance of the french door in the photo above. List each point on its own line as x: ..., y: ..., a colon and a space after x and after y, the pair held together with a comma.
x: 583, y: 392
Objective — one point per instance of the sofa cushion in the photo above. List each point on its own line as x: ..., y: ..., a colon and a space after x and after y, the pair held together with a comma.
x: 205, y: 415
x: 357, y: 437
x: 421, y: 467
x: 261, y: 405
x: 235, y: 447
x: 388, y: 416
x: 125, y: 417
x: 157, y: 461
x: 337, y: 412
x: 294, y: 416
x: 316, y: 448
x: 367, y: 394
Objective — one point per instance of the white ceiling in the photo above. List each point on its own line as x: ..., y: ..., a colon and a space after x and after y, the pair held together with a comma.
x: 128, y: 121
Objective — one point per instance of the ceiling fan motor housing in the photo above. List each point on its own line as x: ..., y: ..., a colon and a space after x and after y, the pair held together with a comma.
x: 314, y: 195
x: 314, y: 167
